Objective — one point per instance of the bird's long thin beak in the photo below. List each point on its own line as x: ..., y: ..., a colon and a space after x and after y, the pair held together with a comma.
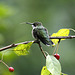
x: 26, y: 23
x: 29, y: 23
x: 23, y: 23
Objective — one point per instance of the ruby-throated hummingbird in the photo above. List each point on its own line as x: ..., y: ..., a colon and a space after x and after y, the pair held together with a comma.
x: 40, y: 33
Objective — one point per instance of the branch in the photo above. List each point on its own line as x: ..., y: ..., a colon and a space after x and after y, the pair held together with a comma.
x: 41, y: 49
x: 13, y: 45
x: 35, y: 41
x: 62, y: 37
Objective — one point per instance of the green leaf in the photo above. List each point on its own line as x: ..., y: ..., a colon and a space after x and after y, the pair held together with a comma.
x: 23, y: 49
x: 44, y: 71
x: 53, y: 65
x: 61, y: 32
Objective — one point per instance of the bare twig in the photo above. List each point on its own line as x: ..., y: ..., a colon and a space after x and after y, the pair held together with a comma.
x: 13, y: 45
x: 62, y: 37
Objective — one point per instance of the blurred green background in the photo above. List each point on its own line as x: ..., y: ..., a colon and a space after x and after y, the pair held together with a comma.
x: 54, y: 14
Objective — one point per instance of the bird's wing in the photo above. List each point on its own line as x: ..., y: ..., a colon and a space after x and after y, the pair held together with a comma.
x: 44, y: 31
x: 42, y: 34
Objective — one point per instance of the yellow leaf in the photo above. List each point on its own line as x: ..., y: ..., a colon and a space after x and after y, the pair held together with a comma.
x: 23, y: 49
x: 61, y: 32
x: 45, y: 71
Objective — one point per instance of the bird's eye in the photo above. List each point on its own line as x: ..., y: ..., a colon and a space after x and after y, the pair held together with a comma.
x: 34, y: 24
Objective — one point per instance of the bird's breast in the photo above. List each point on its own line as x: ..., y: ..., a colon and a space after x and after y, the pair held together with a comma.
x: 34, y: 33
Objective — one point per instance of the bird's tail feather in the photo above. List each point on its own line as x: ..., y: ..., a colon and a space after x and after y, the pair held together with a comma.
x: 47, y: 42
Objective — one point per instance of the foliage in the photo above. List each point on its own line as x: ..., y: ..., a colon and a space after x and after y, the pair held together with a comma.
x: 53, y: 65
x: 61, y: 32
x: 23, y: 49
x: 45, y: 71
x: 54, y: 15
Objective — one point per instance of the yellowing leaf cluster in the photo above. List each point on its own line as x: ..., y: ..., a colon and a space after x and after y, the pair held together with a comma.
x: 45, y: 71
x: 23, y: 49
x: 61, y: 32
x: 52, y: 67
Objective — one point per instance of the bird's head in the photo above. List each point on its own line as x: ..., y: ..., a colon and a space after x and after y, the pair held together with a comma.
x: 35, y: 24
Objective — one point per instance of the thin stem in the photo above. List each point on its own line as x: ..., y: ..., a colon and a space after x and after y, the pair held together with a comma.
x: 57, y: 48
x: 41, y: 49
x: 5, y: 64
x: 54, y: 50
x: 2, y: 56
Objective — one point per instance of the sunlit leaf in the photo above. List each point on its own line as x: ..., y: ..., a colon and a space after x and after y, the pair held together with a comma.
x: 44, y: 71
x: 23, y: 49
x: 61, y: 32
x: 53, y: 65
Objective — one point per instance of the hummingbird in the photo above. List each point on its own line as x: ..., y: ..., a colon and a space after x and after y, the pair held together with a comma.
x: 39, y: 32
